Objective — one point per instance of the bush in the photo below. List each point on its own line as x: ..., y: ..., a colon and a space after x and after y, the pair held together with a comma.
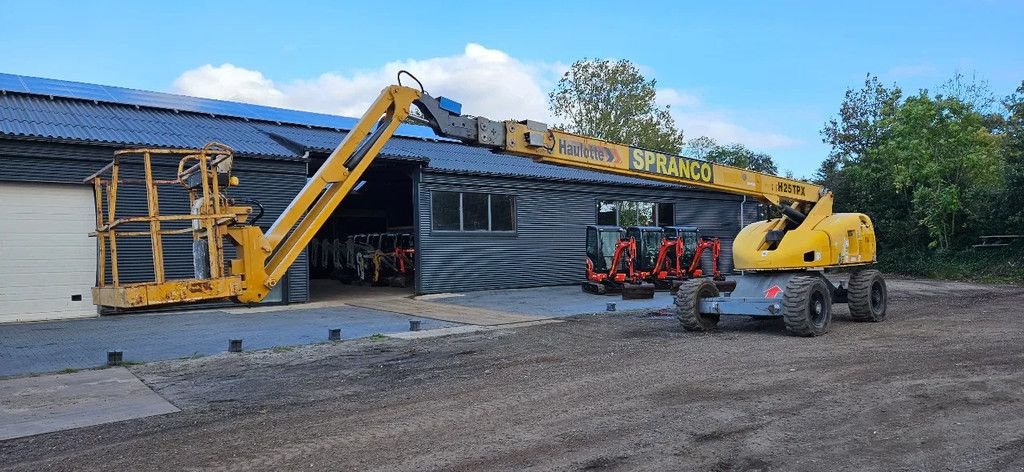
x: 990, y: 265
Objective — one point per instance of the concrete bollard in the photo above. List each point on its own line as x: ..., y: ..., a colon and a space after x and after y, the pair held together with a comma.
x: 234, y: 345
x: 414, y: 325
x: 334, y: 334
x: 115, y: 358
x: 611, y: 306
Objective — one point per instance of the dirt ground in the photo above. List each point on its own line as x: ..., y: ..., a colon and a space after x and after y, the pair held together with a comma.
x: 938, y: 386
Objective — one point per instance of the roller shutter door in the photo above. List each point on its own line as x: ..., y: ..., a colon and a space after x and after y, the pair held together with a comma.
x: 47, y: 260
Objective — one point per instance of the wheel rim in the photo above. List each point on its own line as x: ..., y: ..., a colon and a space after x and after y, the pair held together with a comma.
x: 818, y: 309
x: 877, y: 296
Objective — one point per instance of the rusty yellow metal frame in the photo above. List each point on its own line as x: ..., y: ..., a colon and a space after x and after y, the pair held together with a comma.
x: 213, y: 218
x: 262, y: 260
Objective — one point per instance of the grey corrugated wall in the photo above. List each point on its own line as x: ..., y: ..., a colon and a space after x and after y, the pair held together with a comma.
x: 273, y: 182
x: 548, y: 247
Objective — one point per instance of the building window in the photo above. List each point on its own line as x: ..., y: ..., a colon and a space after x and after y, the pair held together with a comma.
x: 446, y: 211
x: 628, y: 213
x: 607, y: 213
x: 473, y: 212
x: 665, y: 214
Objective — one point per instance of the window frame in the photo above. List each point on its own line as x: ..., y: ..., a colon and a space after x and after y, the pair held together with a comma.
x: 617, y: 210
x: 490, y: 214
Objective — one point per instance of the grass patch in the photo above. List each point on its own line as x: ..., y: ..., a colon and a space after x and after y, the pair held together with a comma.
x: 377, y: 337
x: 69, y: 370
x: 987, y: 265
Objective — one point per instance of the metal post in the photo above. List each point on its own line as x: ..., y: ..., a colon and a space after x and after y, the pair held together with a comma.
x: 111, y: 210
x: 115, y: 358
x: 153, y: 207
x: 101, y: 246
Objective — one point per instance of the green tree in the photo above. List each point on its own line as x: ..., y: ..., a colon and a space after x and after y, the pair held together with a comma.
x: 737, y: 155
x: 860, y: 124
x: 699, y: 147
x: 943, y: 158
x: 857, y: 128
x: 971, y: 91
x: 612, y: 100
x: 859, y: 182
x: 1012, y: 210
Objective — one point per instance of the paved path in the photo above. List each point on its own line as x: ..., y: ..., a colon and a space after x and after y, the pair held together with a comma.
x: 560, y: 301
x: 490, y: 316
x: 75, y: 344
x: 32, y: 348
x: 35, y: 405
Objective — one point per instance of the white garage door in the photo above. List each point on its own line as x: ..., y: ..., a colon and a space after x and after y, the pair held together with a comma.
x: 47, y: 259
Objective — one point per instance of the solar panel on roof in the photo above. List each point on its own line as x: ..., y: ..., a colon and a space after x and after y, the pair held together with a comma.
x: 12, y: 83
x: 81, y: 90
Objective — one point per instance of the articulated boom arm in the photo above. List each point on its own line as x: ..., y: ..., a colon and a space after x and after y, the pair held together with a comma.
x: 537, y: 140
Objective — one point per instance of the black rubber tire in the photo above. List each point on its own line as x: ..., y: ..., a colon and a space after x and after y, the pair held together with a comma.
x: 641, y: 291
x: 687, y: 299
x: 674, y: 288
x: 807, y: 306
x: 867, y: 296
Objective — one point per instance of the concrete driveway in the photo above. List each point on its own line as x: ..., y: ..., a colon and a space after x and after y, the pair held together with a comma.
x: 559, y: 301
x: 29, y: 348
x: 32, y: 348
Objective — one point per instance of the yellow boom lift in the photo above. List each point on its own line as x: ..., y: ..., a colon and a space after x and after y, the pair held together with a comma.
x: 782, y: 259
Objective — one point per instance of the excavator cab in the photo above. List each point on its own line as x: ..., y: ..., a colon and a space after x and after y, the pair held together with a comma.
x: 602, y: 241
x: 648, y: 244
x: 690, y: 236
x: 610, y: 257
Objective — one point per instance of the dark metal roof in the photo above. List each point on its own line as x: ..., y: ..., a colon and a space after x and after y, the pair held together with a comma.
x: 160, y: 122
x: 74, y: 120
x: 169, y: 101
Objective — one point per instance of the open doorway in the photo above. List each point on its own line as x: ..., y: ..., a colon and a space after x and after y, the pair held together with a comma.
x: 367, y: 246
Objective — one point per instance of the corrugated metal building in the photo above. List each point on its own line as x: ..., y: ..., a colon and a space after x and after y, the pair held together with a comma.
x: 480, y: 219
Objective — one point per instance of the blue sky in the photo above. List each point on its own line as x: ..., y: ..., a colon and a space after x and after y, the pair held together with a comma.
x: 767, y: 74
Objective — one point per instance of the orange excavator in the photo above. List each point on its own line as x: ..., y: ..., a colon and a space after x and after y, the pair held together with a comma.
x: 640, y: 259
x: 679, y: 245
x: 610, y: 260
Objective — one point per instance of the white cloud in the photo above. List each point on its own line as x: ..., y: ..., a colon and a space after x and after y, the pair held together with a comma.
x: 230, y: 82
x: 716, y: 124
x: 677, y: 98
x: 699, y: 119
x: 488, y: 82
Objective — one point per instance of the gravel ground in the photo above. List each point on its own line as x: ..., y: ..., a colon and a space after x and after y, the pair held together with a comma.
x: 938, y: 386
